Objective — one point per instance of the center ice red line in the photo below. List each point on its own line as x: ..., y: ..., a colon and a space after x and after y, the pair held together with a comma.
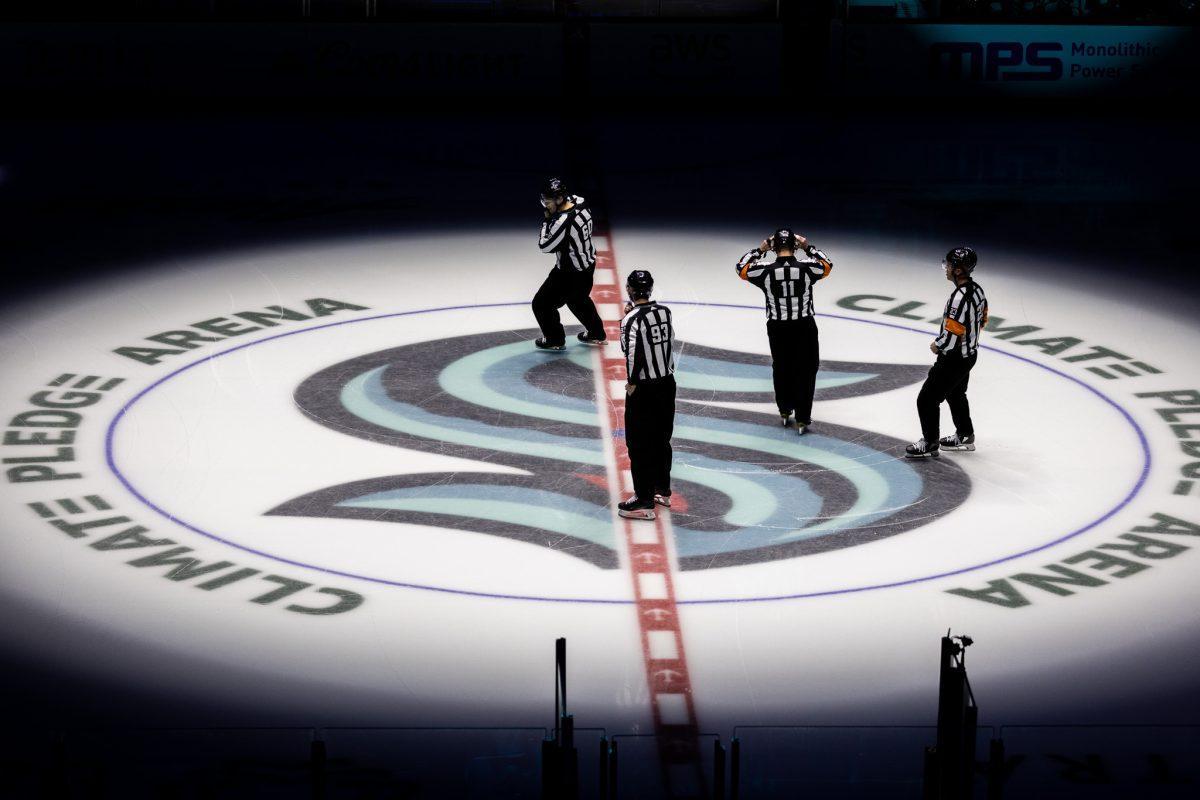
x: 649, y: 557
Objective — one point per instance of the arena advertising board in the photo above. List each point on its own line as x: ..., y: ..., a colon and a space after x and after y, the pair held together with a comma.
x: 1015, y: 60
x: 409, y: 60
x: 280, y: 60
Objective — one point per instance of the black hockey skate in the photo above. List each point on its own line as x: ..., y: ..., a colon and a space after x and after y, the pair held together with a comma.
x: 957, y: 442
x: 542, y: 344
x: 634, y: 508
x: 921, y: 449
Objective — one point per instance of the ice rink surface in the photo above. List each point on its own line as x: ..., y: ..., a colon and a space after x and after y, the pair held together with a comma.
x: 279, y: 451
x: 374, y: 502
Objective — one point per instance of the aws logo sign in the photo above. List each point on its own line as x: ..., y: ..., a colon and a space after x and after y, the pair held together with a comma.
x: 995, y: 61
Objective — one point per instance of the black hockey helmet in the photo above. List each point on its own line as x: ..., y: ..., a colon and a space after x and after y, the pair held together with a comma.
x: 640, y: 283
x: 782, y: 239
x: 963, y: 258
x: 554, y: 187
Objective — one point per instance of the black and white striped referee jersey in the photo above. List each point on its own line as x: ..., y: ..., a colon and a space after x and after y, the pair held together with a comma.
x: 787, y: 281
x: 568, y: 234
x: 648, y: 340
x: 965, y: 316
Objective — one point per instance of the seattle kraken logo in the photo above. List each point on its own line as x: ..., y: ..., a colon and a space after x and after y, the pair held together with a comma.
x: 745, y: 489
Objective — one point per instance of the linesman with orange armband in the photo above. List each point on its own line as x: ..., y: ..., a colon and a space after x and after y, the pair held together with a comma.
x: 956, y: 347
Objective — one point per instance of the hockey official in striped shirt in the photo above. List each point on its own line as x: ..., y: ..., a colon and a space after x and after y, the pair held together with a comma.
x: 787, y: 282
x: 956, y: 348
x: 567, y: 233
x: 647, y: 340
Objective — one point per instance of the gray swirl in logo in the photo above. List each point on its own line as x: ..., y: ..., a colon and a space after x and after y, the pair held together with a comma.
x: 746, y: 490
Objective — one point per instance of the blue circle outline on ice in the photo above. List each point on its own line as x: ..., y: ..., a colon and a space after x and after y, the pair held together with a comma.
x: 110, y: 458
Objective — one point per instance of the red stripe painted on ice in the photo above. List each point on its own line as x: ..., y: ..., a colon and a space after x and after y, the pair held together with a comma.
x: 650, y: 565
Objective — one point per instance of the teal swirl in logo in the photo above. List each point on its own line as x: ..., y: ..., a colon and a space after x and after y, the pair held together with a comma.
x: 746, y: 490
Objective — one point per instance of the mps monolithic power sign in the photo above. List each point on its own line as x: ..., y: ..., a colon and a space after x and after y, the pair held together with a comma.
x: 1016, y: 60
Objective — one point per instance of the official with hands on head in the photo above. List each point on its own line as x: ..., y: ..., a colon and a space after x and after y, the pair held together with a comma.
x: 787, y: 284
x: 567, y: 233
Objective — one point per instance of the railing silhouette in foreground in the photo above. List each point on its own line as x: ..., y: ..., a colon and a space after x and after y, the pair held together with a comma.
x: 565, y: 762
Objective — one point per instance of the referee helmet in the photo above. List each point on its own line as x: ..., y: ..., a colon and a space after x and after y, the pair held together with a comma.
x: 639, y: 283
x: 782, y: 239
x: 962, y: 258
x: 553, y: 188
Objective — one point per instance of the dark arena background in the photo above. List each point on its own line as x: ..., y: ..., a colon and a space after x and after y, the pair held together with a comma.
x: 293, y: 508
